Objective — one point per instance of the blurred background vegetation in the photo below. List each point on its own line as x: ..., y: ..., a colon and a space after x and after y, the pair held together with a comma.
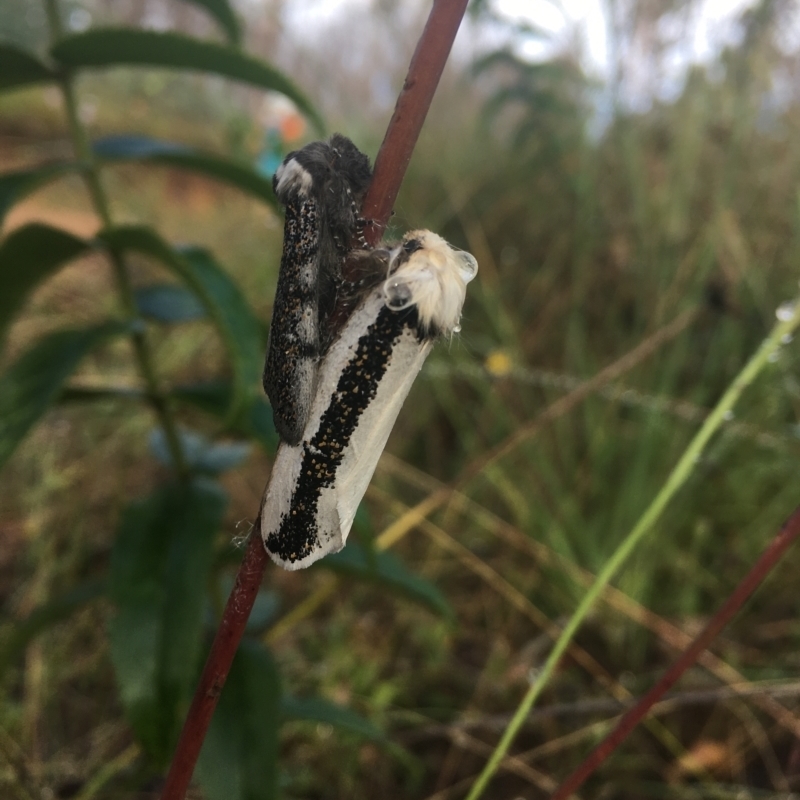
x: 601, y: 206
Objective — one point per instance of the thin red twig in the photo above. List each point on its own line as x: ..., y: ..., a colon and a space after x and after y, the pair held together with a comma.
x: 218, y: 664
x: 390, y: 166
x: 785, y: 537
x: 412, y: 106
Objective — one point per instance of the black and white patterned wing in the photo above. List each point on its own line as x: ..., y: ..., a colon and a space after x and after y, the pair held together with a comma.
x: 321, y: 186
x: 317, y: 485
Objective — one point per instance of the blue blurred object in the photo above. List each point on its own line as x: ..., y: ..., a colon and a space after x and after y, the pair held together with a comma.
x: 271, y: 155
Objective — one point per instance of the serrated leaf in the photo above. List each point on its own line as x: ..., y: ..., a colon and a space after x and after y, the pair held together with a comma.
x: 168, y: 303
x: 55, y: 610
x: 160, y: 565
x: 202, y: 455
x: 386, y: 569
x: 27, y: 256
x: 109, y: 47
x: 215, y: 398
x: 34, y: 381
x: 237, y: 324
x: 224, y: 15
x: 239, y: 756
x: 21, y: 68
x: 316, y: 709
x: 143, y: 148
x: 14, y: 186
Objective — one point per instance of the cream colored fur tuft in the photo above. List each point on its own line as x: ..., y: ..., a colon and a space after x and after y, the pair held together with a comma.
x: 433, y: 277
x: 290, y: 175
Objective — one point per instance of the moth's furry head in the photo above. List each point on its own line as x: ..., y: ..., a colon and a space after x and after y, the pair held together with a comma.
x: 336, y: 171
x: 428, y: 273
x: 291, y: 178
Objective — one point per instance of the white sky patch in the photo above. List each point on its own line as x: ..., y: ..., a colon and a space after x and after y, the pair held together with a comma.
x: 712, y: 27
x: 715, y: 27
x: 681, y: 39
x: 560, y: 20
x: 317, y: 13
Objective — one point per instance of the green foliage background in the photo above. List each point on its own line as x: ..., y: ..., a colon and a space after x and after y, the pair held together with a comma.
x: 138, y: 262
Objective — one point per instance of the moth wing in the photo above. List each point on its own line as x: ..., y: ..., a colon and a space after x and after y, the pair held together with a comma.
x: 336, y: 503
x: 290, y: 368
x: 276, y: 503
x: 278, y: 493
x: 375, y: 425
x: 289, y: 381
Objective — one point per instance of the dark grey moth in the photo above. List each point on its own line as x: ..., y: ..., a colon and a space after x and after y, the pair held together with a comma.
x: 321, y: 186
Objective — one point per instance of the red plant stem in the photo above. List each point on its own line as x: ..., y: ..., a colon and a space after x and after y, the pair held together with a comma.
x: 390, y: 168
x: 218, y: 664
x: 412, y: 106
x: 786, y: 536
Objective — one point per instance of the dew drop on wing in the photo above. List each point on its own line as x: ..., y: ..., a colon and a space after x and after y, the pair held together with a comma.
x: 398, y: 295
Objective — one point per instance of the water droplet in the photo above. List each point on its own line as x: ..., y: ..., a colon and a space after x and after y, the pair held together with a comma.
x: 773, y: 357
x: 324, y: 730
x: 785, y: 311
x: 728, y: 415
x: 457, y: 328
x: 79, y: 20
x: 786, y: 338
x: 628, y: 679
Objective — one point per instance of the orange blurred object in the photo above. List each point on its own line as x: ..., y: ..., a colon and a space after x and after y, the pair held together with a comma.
x: 292, y: 127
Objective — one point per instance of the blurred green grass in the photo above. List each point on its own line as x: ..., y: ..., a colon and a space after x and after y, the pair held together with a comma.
x: 586, y: 246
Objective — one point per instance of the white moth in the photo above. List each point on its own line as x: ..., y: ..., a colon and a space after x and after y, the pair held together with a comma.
x: 317, y: 485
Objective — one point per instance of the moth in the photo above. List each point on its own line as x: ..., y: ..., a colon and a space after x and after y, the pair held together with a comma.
x: 317, y: 484
x: 321, y: 186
